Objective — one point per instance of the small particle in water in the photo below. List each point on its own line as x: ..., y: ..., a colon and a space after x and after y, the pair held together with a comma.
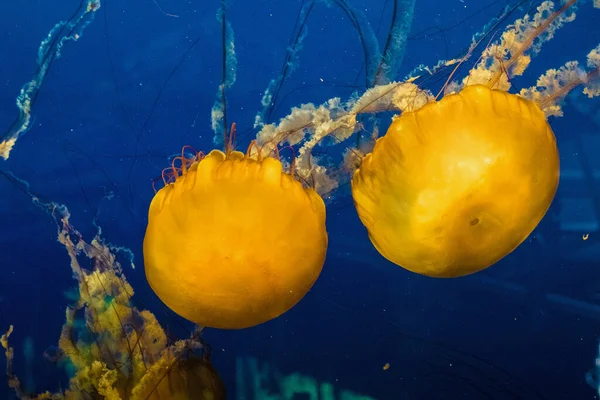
x: 386, y: 366
x: 585, y: 236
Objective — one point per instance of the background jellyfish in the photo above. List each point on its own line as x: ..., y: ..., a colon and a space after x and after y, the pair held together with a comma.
x: 111, y: 349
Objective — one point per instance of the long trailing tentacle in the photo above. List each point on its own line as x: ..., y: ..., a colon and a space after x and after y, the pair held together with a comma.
x: 527, y: 43
x: 563, y: 91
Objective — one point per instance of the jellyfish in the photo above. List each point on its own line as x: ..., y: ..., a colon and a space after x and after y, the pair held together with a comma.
x: 112, y: 349
x: 456, y: 185
x: 234, y: 241
x: 452, y: 187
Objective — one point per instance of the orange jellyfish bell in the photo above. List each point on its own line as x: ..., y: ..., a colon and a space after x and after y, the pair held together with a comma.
x: 234, y: 241
x: 457, y: 185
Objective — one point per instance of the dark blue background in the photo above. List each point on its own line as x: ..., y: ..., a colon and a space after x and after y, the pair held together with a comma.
x: 525, y: 328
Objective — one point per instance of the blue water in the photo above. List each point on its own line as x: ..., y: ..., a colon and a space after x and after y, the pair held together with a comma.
x: 130, y: 93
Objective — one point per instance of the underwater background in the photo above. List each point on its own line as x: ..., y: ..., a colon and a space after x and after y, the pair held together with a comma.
x: 140, y: 82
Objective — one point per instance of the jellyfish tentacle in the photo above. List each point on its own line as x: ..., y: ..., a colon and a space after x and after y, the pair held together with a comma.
x: 529, y: 41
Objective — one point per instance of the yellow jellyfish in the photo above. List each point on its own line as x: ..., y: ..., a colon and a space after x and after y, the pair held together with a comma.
x: 112, y: 349
x: 235, y: 241
x: 457, y: 185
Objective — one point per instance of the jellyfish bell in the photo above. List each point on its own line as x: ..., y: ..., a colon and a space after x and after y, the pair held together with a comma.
x: 235, y: 241
x: 191, y: 377
x: 458, y: 184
